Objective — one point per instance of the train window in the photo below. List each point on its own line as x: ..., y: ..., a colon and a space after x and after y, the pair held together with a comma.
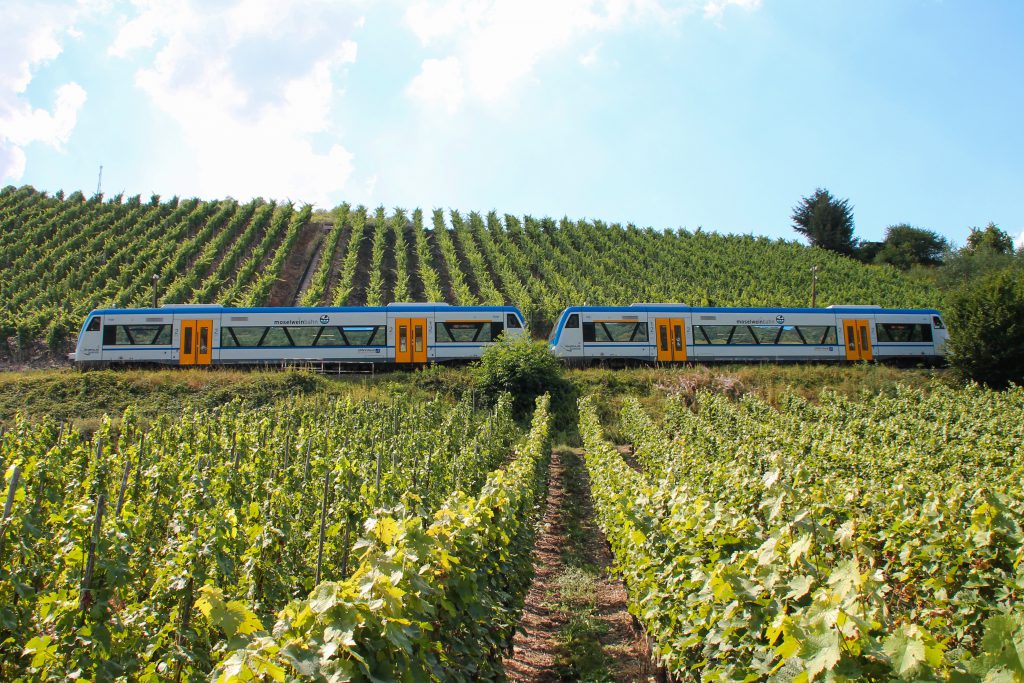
x: 573, y: 322
x: 818, y: 334
x: 766, y: 334
x: 512, y: 322
x: 789, y: 334
x: 136, y: 335
x: 94, y: 324
x: 418, y: 337
x: 615, y: 332
x: 903, y: 332
x: 937, y: 323
x: 241, y: 336
x: 305, y: 335
x: 276, y: 336
x: 712, y: 334
x: 467, y: 332
x: 361, y: 335
x: 663, y: 337
x: 742, y: 335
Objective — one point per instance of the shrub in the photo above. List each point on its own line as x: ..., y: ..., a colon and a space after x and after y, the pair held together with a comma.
x: 986, y: 320
x: 522, y: 367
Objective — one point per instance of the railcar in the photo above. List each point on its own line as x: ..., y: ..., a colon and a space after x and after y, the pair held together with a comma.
x: 401, y: 334
x: 672, y: 333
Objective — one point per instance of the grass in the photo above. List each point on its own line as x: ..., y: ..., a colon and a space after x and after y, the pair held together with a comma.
x: 84, y: 397
x: 581, y: 655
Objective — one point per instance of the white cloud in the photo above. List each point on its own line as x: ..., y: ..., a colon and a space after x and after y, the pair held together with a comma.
x: 438, y: 84
x: 589, y: 58
x: 30, y: 36
x: 252, y: 88
x: 714, y: 9
x: 494, y: 44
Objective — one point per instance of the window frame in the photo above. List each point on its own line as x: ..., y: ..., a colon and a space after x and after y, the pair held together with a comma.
x: 639, y: 327
x: 443, y: 331
x: 701, y: 336
x: 290, y: 334
x: 158, y: 339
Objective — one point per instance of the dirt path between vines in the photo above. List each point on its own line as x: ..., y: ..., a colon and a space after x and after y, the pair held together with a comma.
x: 575, y: 625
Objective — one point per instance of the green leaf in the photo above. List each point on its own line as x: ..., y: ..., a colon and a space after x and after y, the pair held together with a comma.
x: 799, y: 586
x: 801, y: 546
x: 821, y: 650
x: 231, y: 617
x: 906, y: 652
x: 324, y: 597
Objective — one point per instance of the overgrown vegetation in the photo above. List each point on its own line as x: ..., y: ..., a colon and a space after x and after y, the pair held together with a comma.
x: 522, y: 367
x: 988, y: 319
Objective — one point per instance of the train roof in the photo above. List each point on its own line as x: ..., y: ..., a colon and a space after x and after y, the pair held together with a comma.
x: 217, y: 308
x: 867, y: 310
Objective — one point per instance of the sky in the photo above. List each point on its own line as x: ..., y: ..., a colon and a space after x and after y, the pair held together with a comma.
x: 719, y: 114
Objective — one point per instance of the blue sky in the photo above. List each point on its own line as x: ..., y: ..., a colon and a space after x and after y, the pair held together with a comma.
x: 712, y: 113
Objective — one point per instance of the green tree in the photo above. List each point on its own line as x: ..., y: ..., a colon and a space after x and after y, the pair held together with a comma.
x: 520, y: 366
x: 989, y: 238
x: 825, y: 221
x: 986, y: 319
x: 905, y: 246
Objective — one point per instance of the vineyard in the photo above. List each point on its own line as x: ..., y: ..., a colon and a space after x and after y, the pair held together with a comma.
x: 381, y: 538
x: 61, y: 256
x: 836, y: 540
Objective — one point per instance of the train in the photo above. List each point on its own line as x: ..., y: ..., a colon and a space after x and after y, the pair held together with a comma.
x: 413, y: 334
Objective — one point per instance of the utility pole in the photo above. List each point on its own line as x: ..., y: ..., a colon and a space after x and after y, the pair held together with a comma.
x: 156, y: 279
x: 814, y: 286
x: 99, y: 181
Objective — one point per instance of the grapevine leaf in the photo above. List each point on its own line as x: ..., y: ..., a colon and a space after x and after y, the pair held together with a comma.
x: 801, y: 546
x: 905, y: 650
x: 821, y: 650
x: 324, y: 597
x: 232, y: 617
x: 799, y: 587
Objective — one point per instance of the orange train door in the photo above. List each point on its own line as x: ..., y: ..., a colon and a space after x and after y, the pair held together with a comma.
x: 196, y: 342
x: 410, y: 340
x: 403, y: 350
x: 678, y: 339
x: 857, y: 334
x: 671, y: 338
x: 419, y: 339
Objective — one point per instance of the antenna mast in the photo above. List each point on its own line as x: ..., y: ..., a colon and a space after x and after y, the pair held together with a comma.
x: 99, y: 180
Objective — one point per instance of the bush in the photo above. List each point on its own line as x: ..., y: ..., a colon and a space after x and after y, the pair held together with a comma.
x: 522, y: 367
x: 986, y: 320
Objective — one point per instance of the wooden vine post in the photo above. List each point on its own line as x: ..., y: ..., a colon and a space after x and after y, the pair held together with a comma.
x: 323, y: 526
x: 85, y: 594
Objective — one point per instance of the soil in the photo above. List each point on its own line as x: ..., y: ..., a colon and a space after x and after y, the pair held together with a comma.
x: 568, y: 527
x: 467, y: 272
x: 313, y: 265
x: 416, y: 292
x: 364, y: 261
x: 444, y: 278
x: 296, y: 264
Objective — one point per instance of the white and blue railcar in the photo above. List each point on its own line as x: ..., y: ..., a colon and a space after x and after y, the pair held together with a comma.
x: 673, y: 333
x: 403, y: 334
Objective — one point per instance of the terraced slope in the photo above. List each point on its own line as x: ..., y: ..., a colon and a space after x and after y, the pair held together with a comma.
x: 63, y: 255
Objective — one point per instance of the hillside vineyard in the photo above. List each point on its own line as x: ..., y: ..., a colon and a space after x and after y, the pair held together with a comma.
x: 838, y: 540
x: 61, y: 256
x: 154, y: 552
